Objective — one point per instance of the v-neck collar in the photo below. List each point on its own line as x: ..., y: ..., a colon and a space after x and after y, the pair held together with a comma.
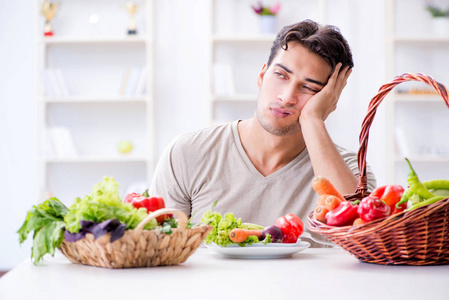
x: 261, y: 178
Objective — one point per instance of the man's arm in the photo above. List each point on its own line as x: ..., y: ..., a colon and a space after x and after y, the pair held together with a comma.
x: 326, y: 159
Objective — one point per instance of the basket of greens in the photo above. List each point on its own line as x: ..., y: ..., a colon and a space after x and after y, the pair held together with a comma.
x: 104, y: 231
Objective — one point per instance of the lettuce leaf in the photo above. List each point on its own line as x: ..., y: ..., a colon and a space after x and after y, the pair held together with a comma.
x: 222, y: 226
x: 47, y: 222
x: 104, y: 203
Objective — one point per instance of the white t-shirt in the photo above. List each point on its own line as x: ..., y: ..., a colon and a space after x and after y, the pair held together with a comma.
x: 210, y: 165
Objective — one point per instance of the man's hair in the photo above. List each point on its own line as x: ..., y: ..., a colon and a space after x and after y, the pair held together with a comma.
x: 326, y: 41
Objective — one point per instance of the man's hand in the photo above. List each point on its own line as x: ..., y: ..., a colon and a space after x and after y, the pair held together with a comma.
x: 324, y: 102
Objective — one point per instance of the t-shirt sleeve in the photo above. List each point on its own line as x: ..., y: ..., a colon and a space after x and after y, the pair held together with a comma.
x: 168, y: 179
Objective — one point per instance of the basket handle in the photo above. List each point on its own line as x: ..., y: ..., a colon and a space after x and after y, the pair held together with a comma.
x: 182, y: 218
x: 362, y: 188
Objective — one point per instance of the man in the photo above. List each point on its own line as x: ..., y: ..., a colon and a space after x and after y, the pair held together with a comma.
x: 263, y: 167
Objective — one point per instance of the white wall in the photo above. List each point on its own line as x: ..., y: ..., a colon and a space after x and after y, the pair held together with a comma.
x: 17, y: 123
x: 181, y: 94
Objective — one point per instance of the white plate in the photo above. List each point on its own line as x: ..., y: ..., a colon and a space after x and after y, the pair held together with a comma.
x: 259, y: 250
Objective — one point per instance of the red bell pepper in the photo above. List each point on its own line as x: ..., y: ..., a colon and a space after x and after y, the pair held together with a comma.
x: 152, y: 203
x: 390, y: 194
x: 372, y: 208
x: 342, y: 215
x: 292, y: 227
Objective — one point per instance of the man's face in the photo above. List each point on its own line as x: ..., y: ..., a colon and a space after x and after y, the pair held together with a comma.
x: 294, y: 76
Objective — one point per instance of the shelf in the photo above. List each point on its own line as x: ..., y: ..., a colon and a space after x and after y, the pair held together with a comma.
x: 94, y: 99
x: 404, y: 97
x: 96, y: 159
x: 424, y: 159
x: 243, y: 38
x: 423, y: 39
x: 415, y: 121
x: 92, y: 93
x: 237, y: 97
x: 92, y: 40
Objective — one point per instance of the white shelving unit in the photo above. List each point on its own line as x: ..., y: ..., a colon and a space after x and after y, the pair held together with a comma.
x: 417, y: 121
x: 105, y: 96
x: 238, y: 50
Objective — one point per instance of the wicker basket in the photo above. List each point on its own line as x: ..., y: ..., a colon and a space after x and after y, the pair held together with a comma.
x: 417, y: 237
x: 139, y: 247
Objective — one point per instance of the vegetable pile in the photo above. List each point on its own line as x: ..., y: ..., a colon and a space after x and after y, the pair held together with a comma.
x: 332, y: 208
x: 100, y: 212
x: 228, y: 230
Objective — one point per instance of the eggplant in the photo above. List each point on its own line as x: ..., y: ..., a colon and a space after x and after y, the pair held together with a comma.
x: 276, y: 234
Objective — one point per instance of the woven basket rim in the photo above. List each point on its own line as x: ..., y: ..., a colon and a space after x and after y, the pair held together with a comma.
x: 138, y: 247
x: 379, y: 224
x: 182, y: 217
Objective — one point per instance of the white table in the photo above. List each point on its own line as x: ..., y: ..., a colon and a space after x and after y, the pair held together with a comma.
x: 311, y: 274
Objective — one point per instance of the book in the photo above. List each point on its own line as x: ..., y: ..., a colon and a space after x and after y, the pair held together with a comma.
x: 54, y: 83
x: 47, y: 89
x: 124, y: 82
x: 50, y: 75
x: 133, y: 79
x: 223, y: 80
x: 62, y: 141
x: 142, y: 82
x: 61, y: 81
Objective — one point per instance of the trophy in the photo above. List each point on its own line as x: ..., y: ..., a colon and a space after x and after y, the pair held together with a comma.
x: 49, y: 11
x: 131, y: 7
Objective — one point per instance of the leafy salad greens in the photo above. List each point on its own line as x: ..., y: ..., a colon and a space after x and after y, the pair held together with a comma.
x: 222, y: 225
x: 104, y: 203
x: 51, y: 219
x: 47, y: 221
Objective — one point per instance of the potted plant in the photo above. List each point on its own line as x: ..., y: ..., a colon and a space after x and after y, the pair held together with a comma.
x: 267, y: 16
x: 440, y: 19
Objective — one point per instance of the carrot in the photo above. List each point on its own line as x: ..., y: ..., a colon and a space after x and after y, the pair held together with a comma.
x: 323, y: 186
x: 320, y: 213
x: 332, y: 202
x: 357, y: 222
x: 238, y: 235
x: 321, y: 199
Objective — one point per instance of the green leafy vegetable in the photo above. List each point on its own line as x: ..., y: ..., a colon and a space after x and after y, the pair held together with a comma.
x: 104, y: 204
x: 49, y: 218
x: 47, y: 222
x: 168, y: 225
x: 267, y: 239
x: 223, y: 225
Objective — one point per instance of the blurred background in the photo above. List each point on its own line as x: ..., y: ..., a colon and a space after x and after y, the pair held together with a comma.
x: 94, y: 88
